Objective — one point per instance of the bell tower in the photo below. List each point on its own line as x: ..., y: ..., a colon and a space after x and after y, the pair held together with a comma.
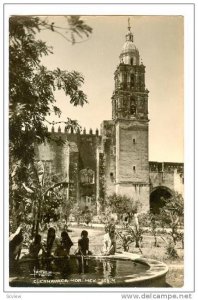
x: 130, y: 114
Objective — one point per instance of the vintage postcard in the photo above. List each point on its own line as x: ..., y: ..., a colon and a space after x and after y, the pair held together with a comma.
x: 96, y: 149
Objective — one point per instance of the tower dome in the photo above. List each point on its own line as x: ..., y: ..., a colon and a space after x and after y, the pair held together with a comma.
x: 128, y: 47
x: 129, y: 54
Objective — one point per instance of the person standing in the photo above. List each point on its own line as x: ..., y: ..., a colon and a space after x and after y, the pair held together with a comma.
x: 109, y: 242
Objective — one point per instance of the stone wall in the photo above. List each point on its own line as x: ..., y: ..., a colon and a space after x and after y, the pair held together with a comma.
x: 111, y: 157
x: 132, y: 152
x: 137, y: 192
x: 167, y: 174
x: 68, y: 154
x: 109, y: 150
x: 56, y: 154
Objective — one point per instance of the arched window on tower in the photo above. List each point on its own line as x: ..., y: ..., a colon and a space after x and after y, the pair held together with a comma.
x: 132, y: 107
x: 132, y: 80
x: 131, y: 60
x: 125, y: 79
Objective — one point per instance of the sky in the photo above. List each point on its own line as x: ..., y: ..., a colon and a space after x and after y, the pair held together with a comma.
x: 159, y: 40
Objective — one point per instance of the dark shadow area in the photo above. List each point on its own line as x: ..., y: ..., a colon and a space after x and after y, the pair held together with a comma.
x: 158, y: 198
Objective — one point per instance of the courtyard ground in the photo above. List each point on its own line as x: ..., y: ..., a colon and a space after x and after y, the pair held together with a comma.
x: 175, y: 276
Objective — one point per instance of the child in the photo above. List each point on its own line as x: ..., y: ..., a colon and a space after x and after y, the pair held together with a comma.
x: 35, y: 246
x: 83, y: 243
x: 109, y: 247
x: 52, y: 242
x: 65, y: 244
x: 83, y: 249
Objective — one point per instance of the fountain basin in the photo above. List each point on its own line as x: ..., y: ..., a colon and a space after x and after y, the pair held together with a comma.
x: 119, y: 270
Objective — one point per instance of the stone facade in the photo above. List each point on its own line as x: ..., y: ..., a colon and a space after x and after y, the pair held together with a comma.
x: 116, y: 160
x: 75, y: 160
x: 167, y: 174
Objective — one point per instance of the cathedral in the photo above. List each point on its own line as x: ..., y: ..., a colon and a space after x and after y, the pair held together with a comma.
x: 116, y: 158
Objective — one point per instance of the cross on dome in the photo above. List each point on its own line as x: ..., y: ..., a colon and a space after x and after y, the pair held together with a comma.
x: 129, y: 36
x: 129, y: 25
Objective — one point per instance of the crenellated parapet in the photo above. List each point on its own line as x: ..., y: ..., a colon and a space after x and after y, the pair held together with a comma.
x: 168, y: 167
x: 70, y: 130
x: 166, y: 175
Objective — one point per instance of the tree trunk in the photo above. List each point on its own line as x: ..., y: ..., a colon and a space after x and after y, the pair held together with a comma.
x: 38, y: 215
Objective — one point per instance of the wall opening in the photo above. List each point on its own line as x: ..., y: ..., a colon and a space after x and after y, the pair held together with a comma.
x: 158, y: 197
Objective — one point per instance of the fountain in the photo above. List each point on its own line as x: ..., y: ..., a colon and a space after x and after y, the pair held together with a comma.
x: 119, y: 270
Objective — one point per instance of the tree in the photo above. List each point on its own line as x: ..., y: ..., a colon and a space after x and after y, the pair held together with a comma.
x: 43, y: 196
x: 126, y: 209
x: 67, y: 208
x: 76, y: 212
x: 152, y: 222
x: 122, y: 205
x: 172, y: 215
x: 129, y: 235
x: 31, y: 94
x: 87, y: 213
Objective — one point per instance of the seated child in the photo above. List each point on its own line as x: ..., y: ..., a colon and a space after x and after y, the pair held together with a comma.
x: 52, y: 243
x: 35, y: 246
x: 63, y: 248
x: 83, y: 244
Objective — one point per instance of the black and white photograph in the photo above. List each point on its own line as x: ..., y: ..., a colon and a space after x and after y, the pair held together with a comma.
x: 96, y: 155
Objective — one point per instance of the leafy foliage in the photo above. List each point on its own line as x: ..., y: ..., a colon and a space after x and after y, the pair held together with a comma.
x: 171, y: 251
x: 78, y: 27
x: 129, y: 235
x: 121, y: 205
x: 32, y: 87
x: 88, y: 213
x: 43, y: 196
x: 66, y: 208
x: 125, y: 208
x: 171, y: 215
x: 151, y: 221
x: 76, y: 211
x: 31, y: 101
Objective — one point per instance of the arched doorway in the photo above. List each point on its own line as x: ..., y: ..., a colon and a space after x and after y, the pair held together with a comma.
x: 158, y: 197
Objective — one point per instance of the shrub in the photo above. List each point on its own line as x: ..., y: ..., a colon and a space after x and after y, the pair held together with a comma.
x: 171, y: 251
x: 170, y: 216
x: 76, y: 212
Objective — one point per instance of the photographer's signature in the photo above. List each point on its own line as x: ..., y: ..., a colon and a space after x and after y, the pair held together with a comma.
x: 41, y: 273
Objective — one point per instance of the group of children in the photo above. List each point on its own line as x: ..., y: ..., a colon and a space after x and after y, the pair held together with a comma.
x: 55, y: 246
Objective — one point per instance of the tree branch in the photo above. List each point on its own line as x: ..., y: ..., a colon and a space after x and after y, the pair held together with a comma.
x: 65, y: 183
